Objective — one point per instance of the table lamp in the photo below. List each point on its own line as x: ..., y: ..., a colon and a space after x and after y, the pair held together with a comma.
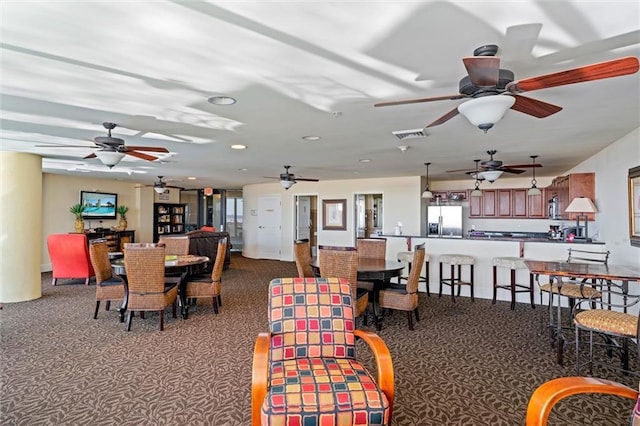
x: 582, y: 205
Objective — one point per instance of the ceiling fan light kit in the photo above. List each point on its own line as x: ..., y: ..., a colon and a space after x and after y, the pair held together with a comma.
x: 484, y: 112
x: 159, y: 189
x: 109, y: 158
x: 491, y: 175
x: 286, y: 184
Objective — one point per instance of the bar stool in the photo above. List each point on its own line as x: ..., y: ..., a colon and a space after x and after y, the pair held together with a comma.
x: 513, y: 264
x: 456, y: 279
x: 407, y: 256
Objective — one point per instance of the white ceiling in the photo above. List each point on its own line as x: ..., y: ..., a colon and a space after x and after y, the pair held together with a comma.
x: 302, y: 68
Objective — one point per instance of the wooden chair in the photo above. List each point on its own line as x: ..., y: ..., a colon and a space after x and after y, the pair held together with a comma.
x: 148, y: 289
x: 372, y: 247
x: 305, y: 367
x: 209, y: 285
x: 302, y: 252
x: 405, y: 299
x: 69, y: 255
x: 108, y: 286
x: 549, y: 393
x: 175, y: 245
x: 342, y: 262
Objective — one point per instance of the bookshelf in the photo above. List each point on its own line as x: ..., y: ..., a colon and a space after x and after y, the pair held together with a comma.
x: 168, y: 219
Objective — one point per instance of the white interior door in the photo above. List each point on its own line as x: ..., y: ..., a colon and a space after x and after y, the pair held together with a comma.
x: 303, y: 218
x: 269, y: 227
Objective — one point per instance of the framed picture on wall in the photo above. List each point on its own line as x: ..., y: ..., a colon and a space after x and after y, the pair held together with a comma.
x: 634, y: 206
x: 334, y: 215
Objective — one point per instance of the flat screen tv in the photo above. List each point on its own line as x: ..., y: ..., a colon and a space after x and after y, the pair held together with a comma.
x: 99, y: 205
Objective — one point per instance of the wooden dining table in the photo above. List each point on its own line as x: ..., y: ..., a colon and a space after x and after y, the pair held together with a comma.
x: 184, y: 265
x: 559, y: 270
x: 377, y: 271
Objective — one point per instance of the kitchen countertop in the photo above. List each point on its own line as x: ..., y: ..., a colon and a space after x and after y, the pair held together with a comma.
x: 528, y: 237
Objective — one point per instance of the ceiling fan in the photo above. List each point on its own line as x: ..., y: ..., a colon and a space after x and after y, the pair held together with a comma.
x: 287, y: 180
x: 111, y: 149
x: 160, y: 186
x: 492, y: 90
x: 491, y: 169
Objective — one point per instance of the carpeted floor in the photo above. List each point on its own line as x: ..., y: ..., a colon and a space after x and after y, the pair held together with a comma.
x: 468, y: 364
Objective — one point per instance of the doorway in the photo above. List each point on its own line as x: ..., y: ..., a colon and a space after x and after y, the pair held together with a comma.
x: 269, y: 227
x: 306, y: 223
x: 368, y: 215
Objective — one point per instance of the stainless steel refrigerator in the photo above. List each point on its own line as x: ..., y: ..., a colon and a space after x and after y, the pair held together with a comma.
x: 444, y: 221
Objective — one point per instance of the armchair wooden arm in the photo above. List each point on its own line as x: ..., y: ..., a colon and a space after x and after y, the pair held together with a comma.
x: 384, y: 364
x: 549, y: 393
x: 260, y: 375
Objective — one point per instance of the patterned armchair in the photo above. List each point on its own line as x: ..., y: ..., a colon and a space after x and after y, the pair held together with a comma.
x: 305, y: 369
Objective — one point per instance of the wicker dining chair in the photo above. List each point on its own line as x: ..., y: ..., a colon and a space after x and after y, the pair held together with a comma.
x: 405, y: 298
x: 209, y: 285
x: 108, y: 286
x: 342, y: 262
x: 148, y: 287
x: 175, y: 245
x: 302, y: 252
x: 305, y: 368
x: 371, y: 248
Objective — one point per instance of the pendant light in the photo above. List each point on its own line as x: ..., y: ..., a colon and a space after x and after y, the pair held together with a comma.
x: 477, y: 192
x: 427, y: 194
x: 534, y: 189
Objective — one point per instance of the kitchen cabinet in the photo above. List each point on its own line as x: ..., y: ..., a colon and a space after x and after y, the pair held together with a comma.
x: 168, y: 219
x: 571, y: 186
x: 446, y: 196
x: 508, y: 203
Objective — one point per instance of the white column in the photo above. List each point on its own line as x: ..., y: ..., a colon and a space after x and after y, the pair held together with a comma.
x: 20, y: 226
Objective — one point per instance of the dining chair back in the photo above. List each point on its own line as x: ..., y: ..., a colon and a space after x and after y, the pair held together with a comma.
x: 305, y: 367
x: 69, y: 255
x: 405, y: 298
x: 372, y: 247
x: 175, y: 245
x: 302, y: 252
x: 209, y: 285
x: 108, y: 286
x: 148, y: 289
x: 342, y: 262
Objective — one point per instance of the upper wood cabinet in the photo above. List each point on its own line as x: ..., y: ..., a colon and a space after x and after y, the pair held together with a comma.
x: 488, y: 203
x: 568, y: 187
x: 508, y: 203
x: 519, y: 203
x: 537, y: 205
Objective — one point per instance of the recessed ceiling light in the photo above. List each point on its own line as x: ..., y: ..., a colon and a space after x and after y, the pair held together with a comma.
x: 242, y: 170
x: 221, y: 100
x: 365, y: 160
x: 238, y: 146
x: 311, y: 138
x: 191, y: 178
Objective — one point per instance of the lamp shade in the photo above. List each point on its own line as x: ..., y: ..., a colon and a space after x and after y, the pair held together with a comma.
x: 286, y: 184
x: 484, y: 112
x: 581, y: 205
x: 159, y: 189
x: 109, y: 158
x: 476, y: 192
x: 491, y: 175
x: 534, y: 191
x: 427, y: 194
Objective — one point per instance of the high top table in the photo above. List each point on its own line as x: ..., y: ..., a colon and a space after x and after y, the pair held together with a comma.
x: 560, y: 270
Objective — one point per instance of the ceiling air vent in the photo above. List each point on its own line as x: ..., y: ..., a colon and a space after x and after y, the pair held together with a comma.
x: 410, y: 134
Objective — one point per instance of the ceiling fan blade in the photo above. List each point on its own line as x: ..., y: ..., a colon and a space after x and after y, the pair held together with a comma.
x: 419, y: 100
x: 483, y: 70
x: 90, y: 156
x: 54, y: 145
x: 461, y: 171
x: 521, y: 166
x: 308, y: 179
x: 448, y: 116
x: 514, y: 171
x: 534, y: 107
x: 144, y: 148
x: 141, y: 155
x: 599, y: 71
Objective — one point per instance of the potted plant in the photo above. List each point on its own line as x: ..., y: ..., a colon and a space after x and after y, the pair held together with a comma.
x: 122, y: 211
x: 77, y: 210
